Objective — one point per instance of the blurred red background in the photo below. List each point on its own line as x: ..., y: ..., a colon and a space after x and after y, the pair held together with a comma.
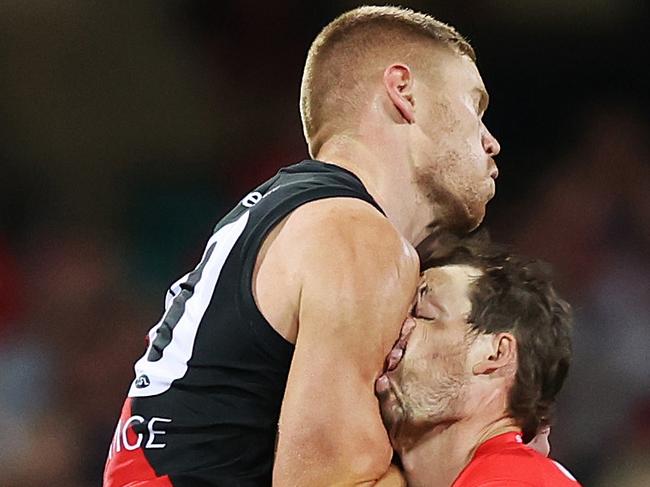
x: 129, y: 129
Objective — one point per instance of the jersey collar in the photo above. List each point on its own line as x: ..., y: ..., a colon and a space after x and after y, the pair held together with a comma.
x: 497, y: 443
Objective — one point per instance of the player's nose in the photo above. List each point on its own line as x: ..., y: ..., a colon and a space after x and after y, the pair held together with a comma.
x: 490, y: 143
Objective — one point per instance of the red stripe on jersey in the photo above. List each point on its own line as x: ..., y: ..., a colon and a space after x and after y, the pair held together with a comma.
x: 504, y: 460
x: 127, y: 466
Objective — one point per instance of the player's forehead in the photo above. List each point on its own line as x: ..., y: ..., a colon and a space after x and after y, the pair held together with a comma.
x: 477, y: 87
x: 449, y: 284
x: 468, y: 75
x: 457, y: 71
x: 455, y: 274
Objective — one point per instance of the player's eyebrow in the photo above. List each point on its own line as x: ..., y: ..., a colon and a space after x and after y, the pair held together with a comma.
x: 484, y: 98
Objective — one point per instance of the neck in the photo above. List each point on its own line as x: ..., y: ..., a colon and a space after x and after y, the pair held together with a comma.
x: 387, y: 174
x: 438, y: 457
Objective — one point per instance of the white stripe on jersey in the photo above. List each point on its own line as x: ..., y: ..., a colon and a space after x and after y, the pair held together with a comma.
x: 173, y: 363
x: 563, y: 469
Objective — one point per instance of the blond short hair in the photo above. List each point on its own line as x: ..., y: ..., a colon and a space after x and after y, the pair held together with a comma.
x: 341, y: 52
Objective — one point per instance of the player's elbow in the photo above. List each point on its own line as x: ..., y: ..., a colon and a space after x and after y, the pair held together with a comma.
x: 352, y: 463
x: 366, y: 461
x: 369, y: 465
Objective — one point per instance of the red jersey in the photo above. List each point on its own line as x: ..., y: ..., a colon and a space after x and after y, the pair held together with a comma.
x: 505, y: 461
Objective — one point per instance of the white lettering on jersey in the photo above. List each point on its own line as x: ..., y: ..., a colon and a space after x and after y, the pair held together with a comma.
x: 153, y: 432
x: 156, y: 376
x: 121, y: 439
x: 125, y: 439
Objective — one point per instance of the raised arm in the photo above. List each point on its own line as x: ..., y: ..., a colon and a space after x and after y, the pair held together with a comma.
x: 357, y: 279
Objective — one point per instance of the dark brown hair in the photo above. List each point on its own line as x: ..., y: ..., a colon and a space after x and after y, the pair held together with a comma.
x: 515, y: 294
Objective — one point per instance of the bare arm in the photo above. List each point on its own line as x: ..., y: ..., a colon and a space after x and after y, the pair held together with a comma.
x: 392, y: 478
x: 357, y: 280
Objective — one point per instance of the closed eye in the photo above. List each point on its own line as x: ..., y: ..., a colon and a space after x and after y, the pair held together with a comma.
x: 424, y: 308
x: 424, y: 320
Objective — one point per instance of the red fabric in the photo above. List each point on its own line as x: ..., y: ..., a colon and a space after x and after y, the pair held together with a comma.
x: 126, y: 468
x: 505, y: 461
x: 10, y: 287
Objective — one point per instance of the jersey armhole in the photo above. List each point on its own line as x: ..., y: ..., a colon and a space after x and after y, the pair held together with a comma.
x: 251, y: 314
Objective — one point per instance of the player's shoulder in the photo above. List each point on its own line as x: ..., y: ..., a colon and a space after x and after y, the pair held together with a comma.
x: 349, y: 228
x: 516, y: 465
x: 353, y: 214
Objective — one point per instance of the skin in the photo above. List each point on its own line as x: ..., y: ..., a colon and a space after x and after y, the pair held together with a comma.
x: 348, y: 273
x: 449, y: 393
x: 466, y: 147
x: 422, y: 131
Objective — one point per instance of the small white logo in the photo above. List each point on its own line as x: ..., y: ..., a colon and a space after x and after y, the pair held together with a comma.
x: 251, y: 199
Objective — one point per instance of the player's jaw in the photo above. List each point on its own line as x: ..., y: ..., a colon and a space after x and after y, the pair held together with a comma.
x: 413, y: 402
x: 424, y: 387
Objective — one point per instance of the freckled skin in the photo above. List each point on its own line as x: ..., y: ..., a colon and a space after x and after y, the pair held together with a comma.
x: 456, y: 148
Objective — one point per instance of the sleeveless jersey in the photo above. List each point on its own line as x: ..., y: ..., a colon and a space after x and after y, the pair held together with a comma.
x: 505, y: 461
x: 204, y: 406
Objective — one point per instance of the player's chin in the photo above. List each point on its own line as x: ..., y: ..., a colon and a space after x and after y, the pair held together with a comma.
x: 475, y: 216
x: 476, y: 212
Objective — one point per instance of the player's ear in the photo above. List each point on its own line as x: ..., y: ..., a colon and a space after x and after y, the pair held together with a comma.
x: 398, y: 82
x: 499, y: 355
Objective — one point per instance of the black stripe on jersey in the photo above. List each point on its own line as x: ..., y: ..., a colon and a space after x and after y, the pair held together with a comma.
x: 176, y: 310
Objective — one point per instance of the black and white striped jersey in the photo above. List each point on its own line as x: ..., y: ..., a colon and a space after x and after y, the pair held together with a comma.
x: 205, y: 402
